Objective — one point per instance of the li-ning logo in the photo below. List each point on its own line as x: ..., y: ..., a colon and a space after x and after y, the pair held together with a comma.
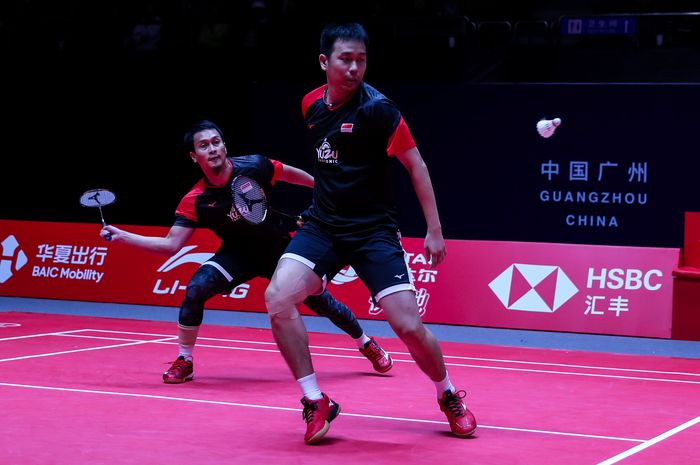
x: 184, y: 256
x: 11, y: 255
x: 533, y: 288
x: 325, y: 154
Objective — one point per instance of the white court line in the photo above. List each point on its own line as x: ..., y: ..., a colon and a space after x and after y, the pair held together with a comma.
x: 270, y: 407
x: 28, y: 336
x: 24, y: 357
x: 570, y: 373
x: 170, y: 340
x: 458, y: 357
x: 651, y: 442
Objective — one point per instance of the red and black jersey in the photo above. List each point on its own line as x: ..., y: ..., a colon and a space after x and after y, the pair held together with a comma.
x: 353, y: 143
x: 210, y: 207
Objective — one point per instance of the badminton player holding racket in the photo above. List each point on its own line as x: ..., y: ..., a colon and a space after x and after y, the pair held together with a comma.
x: 355, y: 131
x: 246, y: 251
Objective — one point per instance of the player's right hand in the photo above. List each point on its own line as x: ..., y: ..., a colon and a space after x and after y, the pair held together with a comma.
x: 109, y: 232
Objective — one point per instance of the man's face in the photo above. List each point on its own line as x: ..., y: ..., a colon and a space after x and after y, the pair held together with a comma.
x: 345, y: 68
x: 209, y: 149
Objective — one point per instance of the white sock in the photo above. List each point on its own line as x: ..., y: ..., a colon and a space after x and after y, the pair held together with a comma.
x: 187, y: 336
x: 361, y: 341
x: 444, y: 385
x: 309, y: 386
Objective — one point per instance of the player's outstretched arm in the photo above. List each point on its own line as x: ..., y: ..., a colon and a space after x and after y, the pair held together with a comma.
x: 171, y: 243
x: 294, y: 175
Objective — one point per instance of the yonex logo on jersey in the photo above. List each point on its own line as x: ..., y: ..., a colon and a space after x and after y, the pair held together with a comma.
x: 533, y: 288
x: 11, y: 255
x: 325, y: 154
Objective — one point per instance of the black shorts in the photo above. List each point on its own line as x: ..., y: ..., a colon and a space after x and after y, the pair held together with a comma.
x: 240, y: 263
x: 376, y: 256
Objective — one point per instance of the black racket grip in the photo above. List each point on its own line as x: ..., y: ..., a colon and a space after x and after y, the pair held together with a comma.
x: 108, y: 236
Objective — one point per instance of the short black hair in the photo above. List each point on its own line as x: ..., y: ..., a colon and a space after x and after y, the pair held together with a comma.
x: 188, y: 141
x: 346, y: 31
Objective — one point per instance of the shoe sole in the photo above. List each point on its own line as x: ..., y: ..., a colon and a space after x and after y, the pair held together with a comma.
x: 318, y: 436
x: 464, y: 435
x: 178, y: 381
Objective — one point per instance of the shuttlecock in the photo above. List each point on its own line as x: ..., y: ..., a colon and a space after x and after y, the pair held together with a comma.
x: 546, y: 127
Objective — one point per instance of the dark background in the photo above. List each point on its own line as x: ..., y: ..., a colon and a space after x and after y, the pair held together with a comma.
x: 88, y: 102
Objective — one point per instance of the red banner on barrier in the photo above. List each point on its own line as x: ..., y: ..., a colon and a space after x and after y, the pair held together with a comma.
x: 691, y: 240
x: 558, y: 287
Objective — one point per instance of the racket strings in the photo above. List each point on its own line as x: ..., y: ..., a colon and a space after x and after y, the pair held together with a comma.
x: 249, y: 200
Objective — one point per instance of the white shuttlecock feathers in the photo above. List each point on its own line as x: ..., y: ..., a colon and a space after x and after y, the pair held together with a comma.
x: 546, y: 127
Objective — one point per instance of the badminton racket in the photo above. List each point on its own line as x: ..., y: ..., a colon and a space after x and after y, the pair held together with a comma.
x: 250, y: 201
x: 98, y: 198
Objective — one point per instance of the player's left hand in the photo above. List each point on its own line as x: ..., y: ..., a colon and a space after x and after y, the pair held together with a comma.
x: 435, y: 248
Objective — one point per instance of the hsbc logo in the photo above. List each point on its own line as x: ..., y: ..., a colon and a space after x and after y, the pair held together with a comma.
x: 533, y: 288
x: 13, y: 258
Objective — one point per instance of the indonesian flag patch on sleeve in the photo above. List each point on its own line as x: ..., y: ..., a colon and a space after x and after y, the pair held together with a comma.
x: 346, y: 127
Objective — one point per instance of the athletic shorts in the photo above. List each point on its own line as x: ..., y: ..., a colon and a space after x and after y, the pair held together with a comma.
x: 240, y: 264
x: 376, y: 256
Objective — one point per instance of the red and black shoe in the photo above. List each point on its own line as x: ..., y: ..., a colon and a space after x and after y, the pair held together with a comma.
x: 462, y: 421
x: 380, y: 358
x: 318, y: 415
x: 180, y: 371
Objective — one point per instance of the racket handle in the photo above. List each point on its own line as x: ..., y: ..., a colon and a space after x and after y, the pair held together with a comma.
x: 108, y: 236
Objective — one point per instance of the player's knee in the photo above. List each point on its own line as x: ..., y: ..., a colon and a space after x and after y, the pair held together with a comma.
x: 272, y: 296
x: 196, y: 292
x: 277, y: 302
x: 284, y: 313
x: 409, y: 330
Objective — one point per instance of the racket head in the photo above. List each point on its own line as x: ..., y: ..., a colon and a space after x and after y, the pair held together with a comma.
x: 97, y: 198
x: 249, y: 199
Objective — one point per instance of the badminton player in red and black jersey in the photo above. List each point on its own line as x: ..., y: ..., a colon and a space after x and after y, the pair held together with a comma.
x: 355, y: 131
x: 246, y: 251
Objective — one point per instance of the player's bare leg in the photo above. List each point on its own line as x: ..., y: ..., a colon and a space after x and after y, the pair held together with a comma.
x: 290, y: 285
x: 401, y: 310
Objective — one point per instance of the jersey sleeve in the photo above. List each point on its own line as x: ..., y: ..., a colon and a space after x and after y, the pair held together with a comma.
x: 278, y: 168
x: 269, y: 170
x: 186, y: 212
x: 401, y: 140
x: 184, y: 221
x: 387, y: 120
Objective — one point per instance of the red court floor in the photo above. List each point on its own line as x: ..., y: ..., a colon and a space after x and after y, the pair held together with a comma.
x: 87, y: 390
